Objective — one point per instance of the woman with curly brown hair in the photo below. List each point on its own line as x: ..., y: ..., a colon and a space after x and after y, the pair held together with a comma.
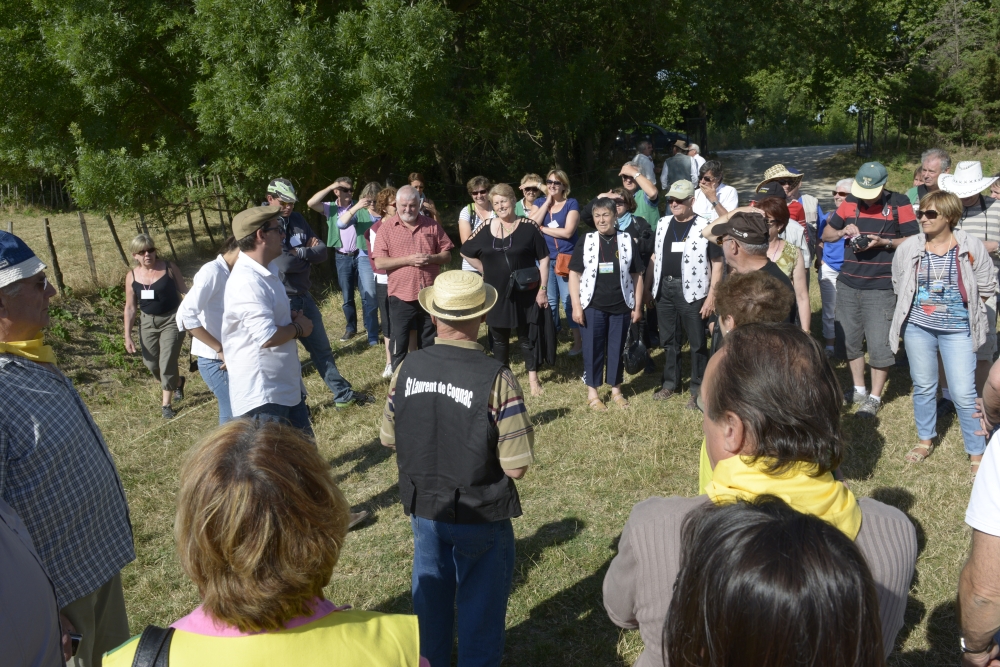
x: 260, y: 526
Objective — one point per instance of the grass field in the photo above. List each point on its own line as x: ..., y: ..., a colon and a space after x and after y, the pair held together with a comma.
x: 590, y: 470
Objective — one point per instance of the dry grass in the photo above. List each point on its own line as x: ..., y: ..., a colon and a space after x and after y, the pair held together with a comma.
x: 590, y: 470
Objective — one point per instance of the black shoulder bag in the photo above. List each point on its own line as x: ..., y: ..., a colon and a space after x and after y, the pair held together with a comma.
x: 154, y: 647
x: 523, y: 280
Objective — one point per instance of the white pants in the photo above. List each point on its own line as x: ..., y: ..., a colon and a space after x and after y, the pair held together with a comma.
x: 828, y: 293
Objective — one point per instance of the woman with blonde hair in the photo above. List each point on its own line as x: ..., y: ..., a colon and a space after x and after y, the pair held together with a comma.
x: 475, y: 214
x: 559, y: 215
x: 362, y: 215
x: 260, y: 526
x: 154, y: 288
x: 942, y: 278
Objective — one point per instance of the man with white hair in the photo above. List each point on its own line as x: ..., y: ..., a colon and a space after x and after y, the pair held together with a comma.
x: 933, y: 163
x: 643, y: 160
x: 694, y: 152
x: 980, y: 218
x: 410, y: 248
x: 831, y: 255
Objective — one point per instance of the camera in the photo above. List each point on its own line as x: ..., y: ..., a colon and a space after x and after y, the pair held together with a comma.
x: 860, y: 243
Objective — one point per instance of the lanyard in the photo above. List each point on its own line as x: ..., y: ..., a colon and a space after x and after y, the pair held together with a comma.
x: 684, y: 236
x: 938, y: 275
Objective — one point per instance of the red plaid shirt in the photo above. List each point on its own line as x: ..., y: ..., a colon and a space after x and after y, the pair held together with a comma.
x: 395, y: 239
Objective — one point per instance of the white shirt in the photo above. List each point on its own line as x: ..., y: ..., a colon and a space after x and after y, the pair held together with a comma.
x: 725, y: 195
x: 255, y: 306
x: 983, y: 513
x: 380, y: 278
x: 644, y: 164
x: 204, y: 304
x: 696, y: 163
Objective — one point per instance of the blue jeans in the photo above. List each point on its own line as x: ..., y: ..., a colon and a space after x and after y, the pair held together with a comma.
x: 318, y: 347
x: 217, y: 379
x: 369, y: 302
x: 347, y: 277
x: 470, y: 566
x: 558, y: 289
x: 603, y: 346
x: 292, y: 415
x: 959, y: 360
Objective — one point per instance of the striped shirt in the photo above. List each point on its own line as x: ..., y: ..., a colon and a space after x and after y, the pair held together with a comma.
x: 891, y: 217
x: 982, y: 220
x: 515, y: 446
x: 58, y: 475
x: 937, y: 304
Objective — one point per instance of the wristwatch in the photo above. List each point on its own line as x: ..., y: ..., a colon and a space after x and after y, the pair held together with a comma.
x: 966, y: 649
x: 714, y: 203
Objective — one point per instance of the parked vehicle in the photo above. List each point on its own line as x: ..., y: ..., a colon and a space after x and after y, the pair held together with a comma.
x: 661, y: 139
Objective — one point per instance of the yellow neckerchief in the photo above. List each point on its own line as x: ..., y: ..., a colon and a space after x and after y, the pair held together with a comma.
x: 821, y: 496
x: 30, y: 349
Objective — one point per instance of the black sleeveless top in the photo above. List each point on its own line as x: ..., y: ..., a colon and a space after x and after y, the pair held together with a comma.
x: 446, y: 446
x: 165, y: 297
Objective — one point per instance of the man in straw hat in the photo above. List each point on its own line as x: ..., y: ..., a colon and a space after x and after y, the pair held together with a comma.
x: 801, y: 208
x: 980, y: 218
x: 677, y: 167
x: 56, y: 471
x: 874, y: 221
x: 462, y: 435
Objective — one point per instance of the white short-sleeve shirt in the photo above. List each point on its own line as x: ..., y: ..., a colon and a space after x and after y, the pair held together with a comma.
x: 256, y: 304
x: 983, y: 513
x: 725, y: 195
x: 204, y: 304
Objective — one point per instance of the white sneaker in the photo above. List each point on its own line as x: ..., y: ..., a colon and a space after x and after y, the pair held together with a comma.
x: 387, y: 373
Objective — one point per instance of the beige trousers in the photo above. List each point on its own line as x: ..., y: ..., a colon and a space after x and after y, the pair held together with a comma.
x: 100, y: 617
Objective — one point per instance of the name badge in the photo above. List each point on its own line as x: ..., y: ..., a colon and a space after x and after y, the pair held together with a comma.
x: 552, y: 224
x: 147, y: 294
x: 937, y: 286
x: 606, y: 267
x: 677, y: 246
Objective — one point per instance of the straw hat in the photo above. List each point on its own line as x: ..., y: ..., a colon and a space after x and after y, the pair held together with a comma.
x: 778, y: 173
x: 457, y: 296
x: 967, y: 180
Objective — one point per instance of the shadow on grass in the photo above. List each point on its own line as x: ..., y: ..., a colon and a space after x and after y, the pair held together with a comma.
x: 546, y: 416
x: 863, y: 446
x: 942, y: 636
x: 365, y: 457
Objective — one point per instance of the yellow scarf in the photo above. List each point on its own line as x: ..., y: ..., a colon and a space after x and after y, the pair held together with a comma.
x: 30, y: 349
x: 821, y: 496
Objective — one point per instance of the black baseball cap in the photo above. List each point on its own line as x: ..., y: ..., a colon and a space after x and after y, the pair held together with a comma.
x: 746, y: 226
x: 772, y: 189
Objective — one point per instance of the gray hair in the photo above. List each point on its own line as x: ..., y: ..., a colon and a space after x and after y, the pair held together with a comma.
x: 713, y: 167
x: 370, y: 190
x: 938, y: 153
x: 140, y: 243
x: 13, y: 289
x: 844, y: 183
x: 406, y: 192
x: 642, y: 143
x: 753, y: 248
x: 694, y: 147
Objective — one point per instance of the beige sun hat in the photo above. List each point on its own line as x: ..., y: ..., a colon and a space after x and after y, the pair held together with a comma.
x: 967, y: 180
x: 777, y: 173
x: 457, y: 296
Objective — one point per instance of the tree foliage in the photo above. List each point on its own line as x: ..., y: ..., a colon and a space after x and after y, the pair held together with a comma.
x: 129, y: 98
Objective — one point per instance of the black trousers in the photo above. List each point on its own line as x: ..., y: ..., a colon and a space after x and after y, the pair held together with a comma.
x: 501, y: 345
x: 404, y: 316
x: 677, y: 318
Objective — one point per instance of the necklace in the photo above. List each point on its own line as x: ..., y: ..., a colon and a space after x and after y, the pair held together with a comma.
x: 937, y: 249
x: 777, y: 251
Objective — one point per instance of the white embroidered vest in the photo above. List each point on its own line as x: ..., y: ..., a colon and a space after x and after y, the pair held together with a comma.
x: 590, y: 261
x: 696, y: 270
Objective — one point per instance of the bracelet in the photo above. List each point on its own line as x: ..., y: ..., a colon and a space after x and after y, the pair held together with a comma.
x: 298, y: 329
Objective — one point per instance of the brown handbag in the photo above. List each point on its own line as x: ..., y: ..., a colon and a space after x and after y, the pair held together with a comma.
x: 562, y: 264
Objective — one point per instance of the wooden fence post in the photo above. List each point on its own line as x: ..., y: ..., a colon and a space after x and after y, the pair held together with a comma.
x: 114, y: 234
x: 10, y: 226
x: 55, y: 261
x: 187, y: 212
x: 166, y: 232
x: 89, y: 249
x: 204, y: 221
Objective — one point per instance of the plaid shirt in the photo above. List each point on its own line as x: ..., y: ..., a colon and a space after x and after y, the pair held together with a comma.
x: 58, y: 475
x: 395, y: 239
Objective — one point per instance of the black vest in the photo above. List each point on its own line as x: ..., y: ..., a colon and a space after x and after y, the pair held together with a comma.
x: 446, y: 446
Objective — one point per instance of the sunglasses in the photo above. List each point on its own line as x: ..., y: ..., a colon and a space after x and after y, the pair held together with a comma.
x: 675, y: 200
x: 147, y: 251
x: 529, y: 189
x: 930, y: 215
x: 479, y: 193
x: 340, y: 190
x: 785, y: 182
x: 710, y: 179
x: 553, y: 182
x: 840, y: 194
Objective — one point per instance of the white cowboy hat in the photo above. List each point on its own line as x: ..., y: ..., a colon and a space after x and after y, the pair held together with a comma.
x: 967, y: 180
x: 457, y: 296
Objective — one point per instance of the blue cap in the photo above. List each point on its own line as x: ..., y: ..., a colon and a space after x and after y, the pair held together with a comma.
x: 17, y: 260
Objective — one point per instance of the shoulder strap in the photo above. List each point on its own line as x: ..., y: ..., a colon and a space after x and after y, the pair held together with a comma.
x: 154, y: 647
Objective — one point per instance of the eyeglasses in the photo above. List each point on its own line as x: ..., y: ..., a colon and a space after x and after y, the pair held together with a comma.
x: 785, y: 182
x: 706, y: 177
x: 840, y: 194
x: 930, y: 215
x: 340, y: 190
x: 626, y: 176
x: 530, y: 189
x: 147, y: 251
x: 276, y: 228
x: 722, y: 240
x: 553, y: 182
x: 675, y: 200
x: 479, y: 193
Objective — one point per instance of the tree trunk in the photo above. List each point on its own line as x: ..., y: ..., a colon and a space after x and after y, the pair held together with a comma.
x: 114, y: 234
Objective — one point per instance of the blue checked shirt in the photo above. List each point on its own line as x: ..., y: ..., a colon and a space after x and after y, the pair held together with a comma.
x: 58, y: 475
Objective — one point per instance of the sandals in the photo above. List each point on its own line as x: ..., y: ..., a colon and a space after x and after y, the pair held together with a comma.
x: 620, y: 401
x: 597, y: 405
x: 915, y: 455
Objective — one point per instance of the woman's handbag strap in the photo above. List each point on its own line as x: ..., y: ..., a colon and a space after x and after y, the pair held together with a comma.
x: 154, y: 647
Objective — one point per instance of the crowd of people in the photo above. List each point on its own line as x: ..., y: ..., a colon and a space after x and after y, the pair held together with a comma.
x: 773, y: 533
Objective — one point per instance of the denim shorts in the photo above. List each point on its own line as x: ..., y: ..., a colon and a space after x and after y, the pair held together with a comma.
x: 866, y: 315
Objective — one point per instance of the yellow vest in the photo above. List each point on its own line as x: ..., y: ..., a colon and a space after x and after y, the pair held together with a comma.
x: 341, y: 638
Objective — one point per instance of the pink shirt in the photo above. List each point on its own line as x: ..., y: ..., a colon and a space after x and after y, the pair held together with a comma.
x: 395, y: 239
x: 200, y: 623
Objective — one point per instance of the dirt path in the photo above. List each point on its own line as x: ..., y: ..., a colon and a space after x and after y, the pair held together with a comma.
x: 744, y: 169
